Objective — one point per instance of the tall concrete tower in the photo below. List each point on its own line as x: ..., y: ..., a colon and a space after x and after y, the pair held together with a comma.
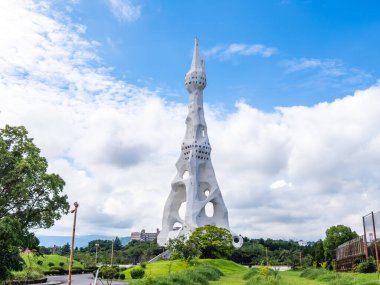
x: 195, y: 186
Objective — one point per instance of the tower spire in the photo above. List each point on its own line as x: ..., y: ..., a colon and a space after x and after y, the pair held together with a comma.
x: 194, y: 187
x: 197, y: 63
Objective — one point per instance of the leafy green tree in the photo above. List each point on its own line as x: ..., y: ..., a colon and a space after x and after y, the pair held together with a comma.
x: 335, y: 236
x: 65, y: 250
x: 9, y: 246
x: 117, y: 244
x: 29, y: 196
x: 212, y: 242
x: 182, y: 248
x: 319, y: 253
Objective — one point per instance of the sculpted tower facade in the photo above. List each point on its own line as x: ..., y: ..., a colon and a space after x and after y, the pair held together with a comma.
x: 195, y: 186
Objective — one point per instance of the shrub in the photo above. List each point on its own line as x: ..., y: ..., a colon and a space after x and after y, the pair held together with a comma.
x: 143, y: 264
x: 252, y: 272
x: 108, y: 272
x: 50, y: 264
x: 40, y: 262
x: 61, y: 263
x: 23, y: 275
x: 59, y: 269
x: 137, y: 273
x: 211, y: 273
x: 367, y: 266
x: 122, y: 276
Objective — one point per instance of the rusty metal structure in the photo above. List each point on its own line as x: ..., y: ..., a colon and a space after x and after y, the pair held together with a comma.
x: 349, y: 254
x: 354, y: 251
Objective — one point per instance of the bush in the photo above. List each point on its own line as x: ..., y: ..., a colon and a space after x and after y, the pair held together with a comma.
x: 252, y: 272
x: 211, y: 273
x: 50, y: 264
x: 367, y: 266
x: 23, y: 275
x: 40, y: 262
x: 122, y: 276
x: 61, y: 270
x: 137, y: 273
x: 61, y: 263
x: 108, y: 272
x: 143, y: 264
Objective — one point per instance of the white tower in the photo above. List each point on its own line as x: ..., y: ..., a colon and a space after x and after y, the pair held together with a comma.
x: 195, y: 183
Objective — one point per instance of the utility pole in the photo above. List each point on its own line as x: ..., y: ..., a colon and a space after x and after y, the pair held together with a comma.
x: 300, y: 258
x: 113, y: 242
x: 375, y: 241
x: 96, y: 253
x: 266, y: 254
x: 76, y: 205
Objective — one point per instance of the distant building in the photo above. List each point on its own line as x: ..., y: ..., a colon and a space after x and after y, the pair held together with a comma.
x: 302, y: 243
x: 144, y: 236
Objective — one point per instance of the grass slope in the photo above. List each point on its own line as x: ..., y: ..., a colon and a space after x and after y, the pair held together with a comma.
x: 31, y: 260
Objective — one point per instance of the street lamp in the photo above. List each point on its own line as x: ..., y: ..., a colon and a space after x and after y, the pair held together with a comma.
x: 76, y: 205
x: 96, y: 253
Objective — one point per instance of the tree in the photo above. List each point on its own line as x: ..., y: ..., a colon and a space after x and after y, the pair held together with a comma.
x: 29, y: 196
x: 319, y: 253
x: 117, y: 244
x: 335, y: 236
x: 212, y: 242
x: 182, y: 248
x: 65, y: 250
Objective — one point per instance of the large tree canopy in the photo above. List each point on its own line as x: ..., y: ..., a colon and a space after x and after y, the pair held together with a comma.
x: 212, y: 242
x: 335, y: 236
x: 29, y: 196
x: 27, y: 192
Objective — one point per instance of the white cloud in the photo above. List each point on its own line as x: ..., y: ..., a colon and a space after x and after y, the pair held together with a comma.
x: 225, y: 52
x: 124, y: 10
x: 116, y: 144
x: 327, y: 66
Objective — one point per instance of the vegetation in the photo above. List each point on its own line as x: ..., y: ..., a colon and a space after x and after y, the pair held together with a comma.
x: 367, y: 266
x: 335, y: 236
x: 204, y: 242
x: 137, y: 273
x: 29, y: 196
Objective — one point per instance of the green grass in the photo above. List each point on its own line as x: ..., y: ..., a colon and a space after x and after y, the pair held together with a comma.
x: 234, y: 273
x: 31, y: 259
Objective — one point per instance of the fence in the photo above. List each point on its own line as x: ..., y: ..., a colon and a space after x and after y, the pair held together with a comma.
x: 352, y: 252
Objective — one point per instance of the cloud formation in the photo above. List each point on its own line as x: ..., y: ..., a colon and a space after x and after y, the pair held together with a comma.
x: 124, y: 10
x: 225, y: 52
x: 290, y: 173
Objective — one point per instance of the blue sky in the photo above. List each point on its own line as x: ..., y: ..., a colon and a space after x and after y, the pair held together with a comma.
x: 292, y: 107
x: 323, y: 49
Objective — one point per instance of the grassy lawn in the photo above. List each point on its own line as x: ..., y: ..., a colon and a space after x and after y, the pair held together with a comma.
x: 233, y: 274
x: 31, y: 259
x: 292, y: 278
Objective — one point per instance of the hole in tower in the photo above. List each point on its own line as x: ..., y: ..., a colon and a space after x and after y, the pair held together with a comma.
x: 207, y: 192
x: 203, y: 133
x: 177, y: 226
x: 185, y: 174
x: 209, y: 209
x: 182, y: 211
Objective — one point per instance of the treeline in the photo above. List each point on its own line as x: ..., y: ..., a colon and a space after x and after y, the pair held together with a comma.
x: 134, y: 252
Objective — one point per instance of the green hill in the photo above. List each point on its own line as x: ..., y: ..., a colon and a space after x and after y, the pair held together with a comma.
x: 32, y: 260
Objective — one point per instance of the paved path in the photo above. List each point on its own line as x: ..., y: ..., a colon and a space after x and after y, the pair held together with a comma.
x: 78, y: 279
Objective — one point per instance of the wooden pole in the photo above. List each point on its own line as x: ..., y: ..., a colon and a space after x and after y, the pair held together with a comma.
x: 76, y: 205
x: 374, y: 235
x: 365, y: 239
x: 113, y: 242
x: 96, y: 253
